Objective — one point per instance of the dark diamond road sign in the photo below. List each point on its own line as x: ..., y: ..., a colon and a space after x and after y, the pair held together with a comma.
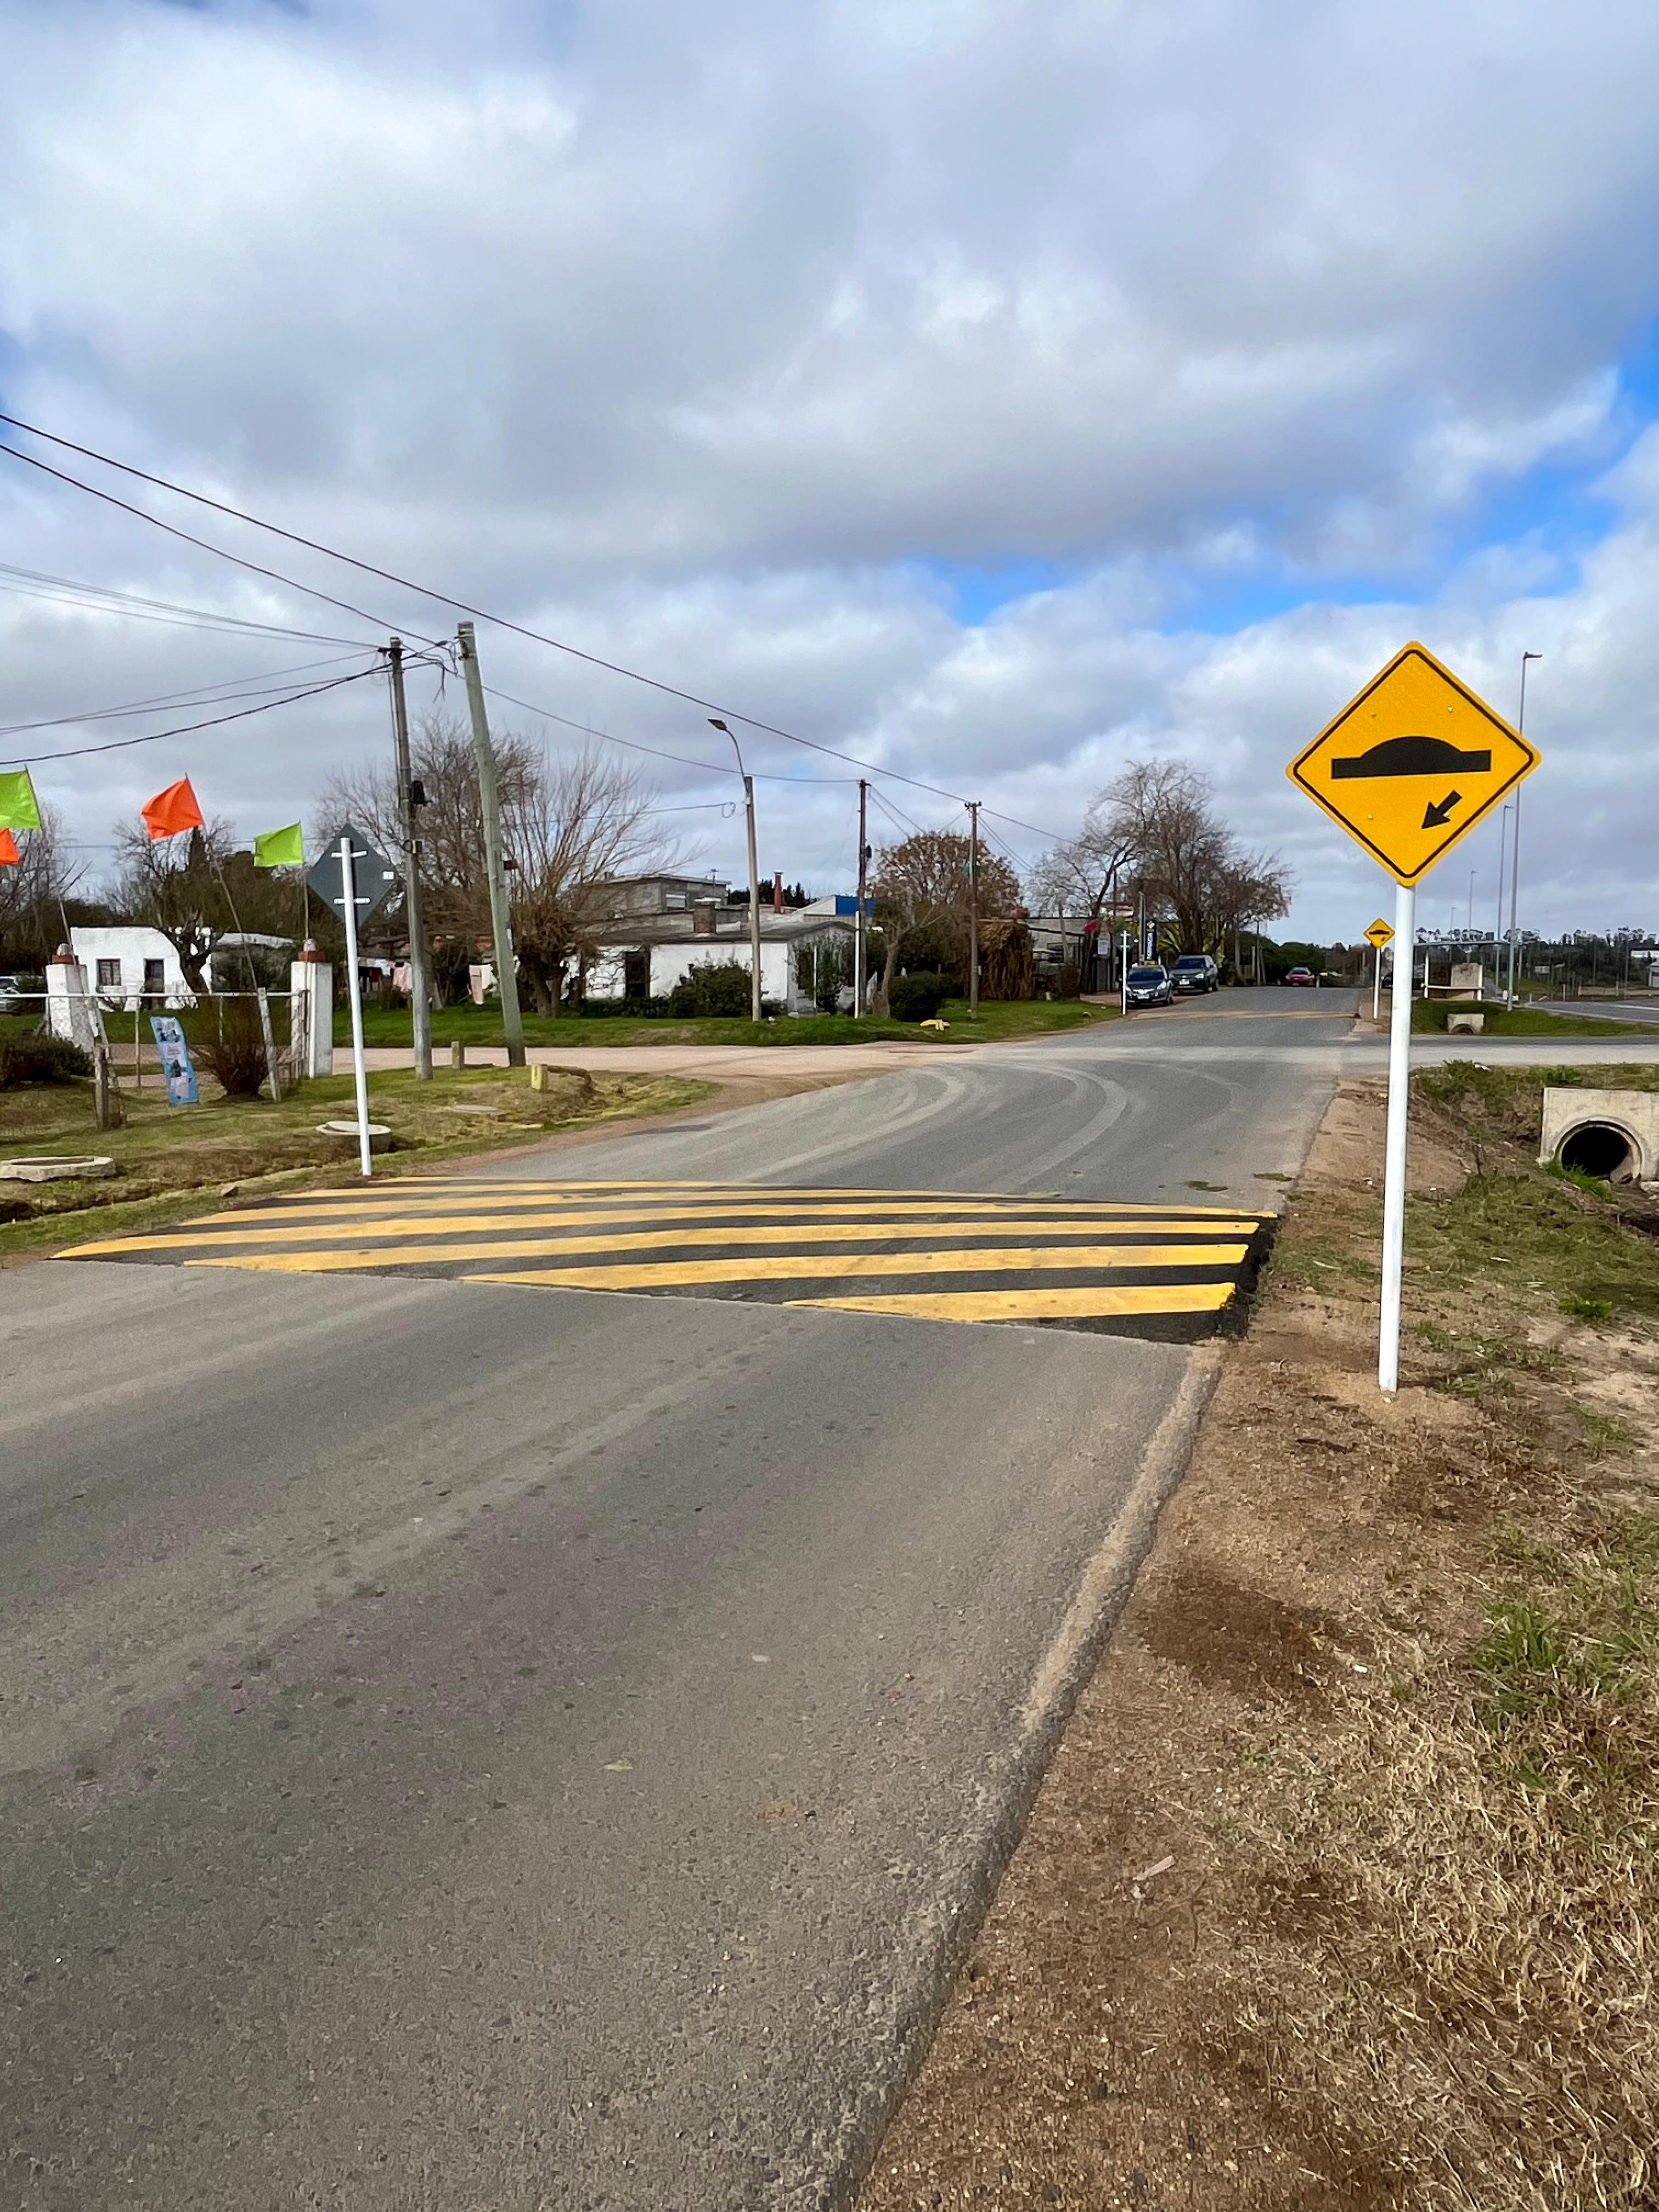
x: 376, y: 878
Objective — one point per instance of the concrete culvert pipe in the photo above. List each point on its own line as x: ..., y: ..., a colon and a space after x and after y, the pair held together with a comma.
x: 1597, y: 1148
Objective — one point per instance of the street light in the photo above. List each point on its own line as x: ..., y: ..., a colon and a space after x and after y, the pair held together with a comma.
x: 1515, y: 865
x: 715, y: 723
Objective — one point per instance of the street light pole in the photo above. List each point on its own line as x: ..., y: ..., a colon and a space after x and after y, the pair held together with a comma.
x: 714, y: 722
x: 1514, y: 864
x: 501, y: 909
x: 973, y: 908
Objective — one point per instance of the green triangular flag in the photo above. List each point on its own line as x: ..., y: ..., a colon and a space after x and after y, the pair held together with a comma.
x: 280, y: 848
x: 17, y: 808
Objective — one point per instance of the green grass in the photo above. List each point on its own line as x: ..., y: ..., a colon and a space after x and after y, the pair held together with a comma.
x: 1430, y: 1014
x: 167, y: 1158
x: 1534, y: 1232
x: 996, y: 1022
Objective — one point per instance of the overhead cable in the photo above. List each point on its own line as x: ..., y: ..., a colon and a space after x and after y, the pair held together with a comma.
x: 423, y: 590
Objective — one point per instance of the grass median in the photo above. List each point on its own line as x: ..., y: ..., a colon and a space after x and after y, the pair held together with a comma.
x: 168, y: 1158
x: 1428, y: 1016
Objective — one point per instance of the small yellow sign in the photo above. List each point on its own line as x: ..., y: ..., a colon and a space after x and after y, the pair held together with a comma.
x: 1412, y: 763
x: 1379, y: 933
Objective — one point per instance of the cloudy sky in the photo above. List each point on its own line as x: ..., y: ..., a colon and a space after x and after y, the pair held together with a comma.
x: 994, y: 390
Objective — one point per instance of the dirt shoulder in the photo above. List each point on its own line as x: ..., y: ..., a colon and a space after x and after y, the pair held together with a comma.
x: 1340, y: 1890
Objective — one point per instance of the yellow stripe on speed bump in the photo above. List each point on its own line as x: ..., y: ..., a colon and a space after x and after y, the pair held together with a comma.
x: 814, y: 1266
x: 1097, y: 1302
x: 221, y: 1231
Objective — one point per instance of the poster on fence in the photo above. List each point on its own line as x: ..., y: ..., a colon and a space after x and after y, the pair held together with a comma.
x: 177, y: 1071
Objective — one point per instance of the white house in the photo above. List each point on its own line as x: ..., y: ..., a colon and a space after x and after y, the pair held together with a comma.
x: 663, y: 927
x: 130, y: 966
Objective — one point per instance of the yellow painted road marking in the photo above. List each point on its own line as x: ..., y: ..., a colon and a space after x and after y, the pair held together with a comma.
x: 773, y: 1267
x: 232, y: 1232
x: 1104, y: 1301
x: 412, y: 1191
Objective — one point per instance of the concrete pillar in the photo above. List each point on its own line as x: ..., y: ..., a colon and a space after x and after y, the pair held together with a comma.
x: 311, y: 1014
x: 72, y: 1010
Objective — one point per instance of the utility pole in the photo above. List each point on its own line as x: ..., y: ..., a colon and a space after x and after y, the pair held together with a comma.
x: 715, y: 723
x: 860, y: 954
x: 1515, y: 865
x: 420, y: 977
x: 973, y: 908
x: 500, y: 913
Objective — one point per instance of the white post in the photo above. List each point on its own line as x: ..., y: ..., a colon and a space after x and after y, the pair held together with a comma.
x: 348, y: 902
x: 1376, y: 988
x: 1123, y: 978
x: 1394, y: 1158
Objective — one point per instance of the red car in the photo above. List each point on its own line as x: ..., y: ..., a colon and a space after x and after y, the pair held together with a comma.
x: 1302, y: 977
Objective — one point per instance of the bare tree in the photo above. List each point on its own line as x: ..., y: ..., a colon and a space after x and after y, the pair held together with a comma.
x: 923, y: 884
x: 1156, y: 831
x: 176, y: 885
x: 579, y: 820
x: 33, y: 889
x: 449, y: 825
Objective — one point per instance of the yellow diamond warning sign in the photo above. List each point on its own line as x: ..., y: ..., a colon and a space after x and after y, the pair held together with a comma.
x: 1379, y: 933
x: 1412, y: 763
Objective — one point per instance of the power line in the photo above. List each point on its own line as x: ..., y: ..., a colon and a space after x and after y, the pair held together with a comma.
x: 203, y: 545
x: 423, y: 590
x: 65, y: 590
x: 186, y: 729
x: 200, y: 694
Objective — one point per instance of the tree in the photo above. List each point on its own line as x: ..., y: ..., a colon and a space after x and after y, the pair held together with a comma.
x: 922, y: 885
x: 33, y: 889
x: 449, y: 826
x: 1155, y: 832
x: 175, y: 884
x: 578, y: 821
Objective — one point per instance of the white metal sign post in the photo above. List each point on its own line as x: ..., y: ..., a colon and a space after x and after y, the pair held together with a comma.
x: 354, y: 880
x: 1407, y: 769
x: 348, y: 907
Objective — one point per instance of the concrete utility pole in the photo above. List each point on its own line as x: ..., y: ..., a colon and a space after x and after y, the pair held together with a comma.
x: 715, y: 723
x: 974, y: 806
x: 500, y: 913
x: 1514, y: 864
x: 420, y: 973
x: 859, y: 955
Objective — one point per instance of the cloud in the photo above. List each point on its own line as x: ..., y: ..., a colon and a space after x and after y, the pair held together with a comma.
x: 718, y: 340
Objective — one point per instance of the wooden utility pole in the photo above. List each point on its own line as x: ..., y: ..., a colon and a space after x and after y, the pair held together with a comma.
x: 973, y: 906
x: 861, y: 955
x: 420, y: 976
x: 500, y: 913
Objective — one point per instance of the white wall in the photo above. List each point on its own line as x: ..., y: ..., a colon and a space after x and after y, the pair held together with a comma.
x: 131, y: 945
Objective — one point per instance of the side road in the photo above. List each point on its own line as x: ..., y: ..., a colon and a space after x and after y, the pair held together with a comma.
x: 1340, y: 1891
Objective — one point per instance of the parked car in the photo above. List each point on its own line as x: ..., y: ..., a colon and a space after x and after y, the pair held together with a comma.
x: 11, y: 999
x: 1149, y: 985
x: 1302, y: 978
x: 1195, y: 971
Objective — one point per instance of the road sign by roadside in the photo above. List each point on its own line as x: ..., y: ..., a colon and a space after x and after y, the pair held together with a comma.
x: 1412, y: 763
x: 1379, y: 933
x: 377, y: 879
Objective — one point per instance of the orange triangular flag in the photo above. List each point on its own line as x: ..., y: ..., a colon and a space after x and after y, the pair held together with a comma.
x: 7, y: 849
x: 171, y: 811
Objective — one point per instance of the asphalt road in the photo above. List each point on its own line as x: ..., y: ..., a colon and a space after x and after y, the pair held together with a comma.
x: 467, y: 1746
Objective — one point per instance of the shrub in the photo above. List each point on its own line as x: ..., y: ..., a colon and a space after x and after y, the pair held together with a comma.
x: 720, y: 987
x: 40, y: 1060
x: 231, y: 1046
x: 918, y: 997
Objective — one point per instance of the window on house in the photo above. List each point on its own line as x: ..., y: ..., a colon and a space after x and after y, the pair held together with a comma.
x: 674, y: 898
x: 155, y: 979
x: 109, y: 974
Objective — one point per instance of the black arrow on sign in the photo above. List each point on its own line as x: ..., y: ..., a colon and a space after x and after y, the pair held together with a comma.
x: 1435, y: 817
